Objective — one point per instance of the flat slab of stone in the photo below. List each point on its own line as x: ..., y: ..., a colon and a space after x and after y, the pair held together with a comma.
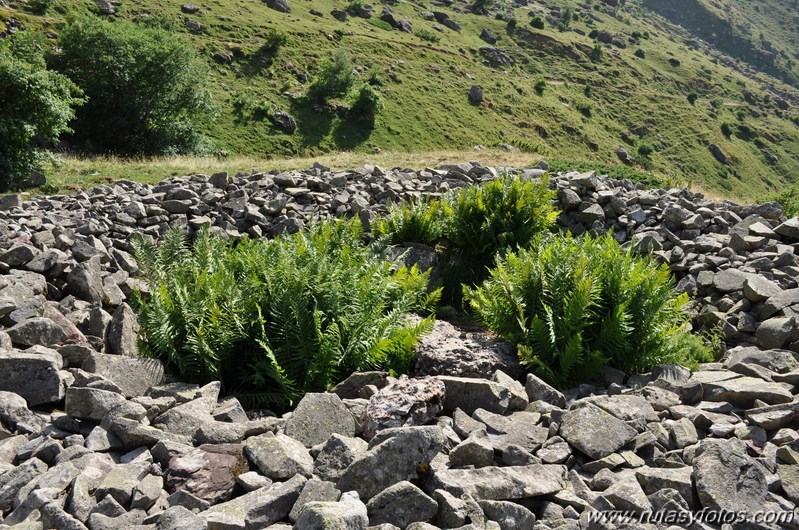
x: 133, y: 375
x: 470, y: 394
x: 317, y: 416
x: 502, y: 483
x: 743, y: 391
x: 595, y: 432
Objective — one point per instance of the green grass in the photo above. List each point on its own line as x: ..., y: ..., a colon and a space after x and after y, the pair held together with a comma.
x: 426, y: 84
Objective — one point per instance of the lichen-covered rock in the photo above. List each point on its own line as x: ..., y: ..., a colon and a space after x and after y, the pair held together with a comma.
x: 404, y: 403
x: 278, y: 456
x: 317, y: 416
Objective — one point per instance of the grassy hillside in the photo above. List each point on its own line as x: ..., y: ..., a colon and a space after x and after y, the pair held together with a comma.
x: 560, y: 94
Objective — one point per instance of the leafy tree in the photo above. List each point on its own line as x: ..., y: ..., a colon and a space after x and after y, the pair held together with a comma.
x: 537, y: 22
x: 146, y: 87
x: 335, y: 78
x: 367, y: 103
x: 35, y: 105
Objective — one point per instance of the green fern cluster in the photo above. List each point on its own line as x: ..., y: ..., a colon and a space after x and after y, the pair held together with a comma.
x: 275, y: 319
x: 574, y: 305
x: 419, y: 221
x: 473, y: 225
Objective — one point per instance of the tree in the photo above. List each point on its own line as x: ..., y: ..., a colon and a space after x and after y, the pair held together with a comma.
x: 146, y: 87
x: 367, y: 103
x: 335, y: 78
x: 35, y: 105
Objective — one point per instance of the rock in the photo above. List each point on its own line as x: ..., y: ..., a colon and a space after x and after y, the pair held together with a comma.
x: 776, y: 332
x: 758, y: 289
x: 501, y: 483
x: 147, y: 492
x: 406, y: 402
x: 208, y: 472
x: 475, y: 451
x: 85, y: 282
x: 187, y: 418
x: 120, y: 482
x: 37, y: 331
x: 789, y: 229
x: 594, y: 432
x: 347, y: 514
x: 351, y: 387
x: 789, y: 478
x: 12, y: 480
x: 284, y: 120
x: 448, y: 350
x: 15, y: 414
x: 20, y: 368
x: 278, y: 456
x: 279, y: 5
x: 274, y: 504
x: 469, y: 394
x: 683, y: 433
x: 394, y: 455
x: 134, y: 376
x: 537, y: 390
x: 91, y: 403
x: 626, y: 494
x: 743, y: 391
x: 314, y: 491
x: 336, y: 455
x: 122, y: 333
x: 654, y: 479
x: 727, y: 478
x: 509, y: 515
x: 401, y: 504
x: 317, y: 416
x: 718, y: 154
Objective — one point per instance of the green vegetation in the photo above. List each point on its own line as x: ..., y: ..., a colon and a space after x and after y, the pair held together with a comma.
x: 367, y: 103
x: 145, y: 88
x: 275, y: 319
x: 335, y: 78
x: 575, y: 305
x: 35, y: 104
x: 473, y: 225
x: 269, y: 60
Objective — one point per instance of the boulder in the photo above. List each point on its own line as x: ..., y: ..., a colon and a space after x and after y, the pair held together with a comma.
x: 394, y: 455
x: 133, y: 375
x: 122, y: 332
x: 318, y: 416
x: 37, y: 331
x: 727, y: 478
x: 208, y: 472
x: 595, y: 432
x: 19, y: 369
x: 469, y: 394
x: 278, y: 456
x: 501, y: 483
x: 400, y: 505
x: 406, y: 402
x: 347, y: 514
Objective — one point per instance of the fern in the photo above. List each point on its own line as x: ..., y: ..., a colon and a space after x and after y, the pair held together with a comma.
x: 276, y: 319
x: 576, y: 304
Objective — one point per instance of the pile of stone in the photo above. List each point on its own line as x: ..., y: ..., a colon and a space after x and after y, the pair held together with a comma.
x: 93, y: 436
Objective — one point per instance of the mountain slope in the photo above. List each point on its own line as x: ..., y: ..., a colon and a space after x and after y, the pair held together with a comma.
x: 556, y: 91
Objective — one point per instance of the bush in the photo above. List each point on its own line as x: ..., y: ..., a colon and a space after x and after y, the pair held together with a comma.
x: 537, y: 22
x: 540, y: 86
x: 35, y: 105
x: 146, y: 87
x: 41, y: 7
x: 335, y: 78
x: 640, y: 53
x: 273, y: 320
x: 275, y: 39
x: 576, y: 305
x: 367, y: 103
x: 427, y: 35
x: 674, y: 62
x: 692, y: 97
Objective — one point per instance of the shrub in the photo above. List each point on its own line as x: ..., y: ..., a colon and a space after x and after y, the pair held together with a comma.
x: 640, y: 53
x: 674, y: 62
x: 40, y: 7
x: 727, y: 129
x: 274, y: 40
x: 273, y: 320
x: 565, y: 20
x: 335, y: 78
x: 482, y: 6
x: 35, y: 104
x: 597, y: 52
x: 367, y: 103
x: 537, y: 22
x: 427, y: 35
x: 692, y: 97
x: 574, y: 305
x: 583, y: 108
x: 540, y: 86
x: 146, y: 87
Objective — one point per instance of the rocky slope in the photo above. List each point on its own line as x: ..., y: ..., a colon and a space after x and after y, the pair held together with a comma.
x: 95, y: 437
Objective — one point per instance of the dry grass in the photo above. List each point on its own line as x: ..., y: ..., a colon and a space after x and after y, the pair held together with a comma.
x: 72, y: 173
